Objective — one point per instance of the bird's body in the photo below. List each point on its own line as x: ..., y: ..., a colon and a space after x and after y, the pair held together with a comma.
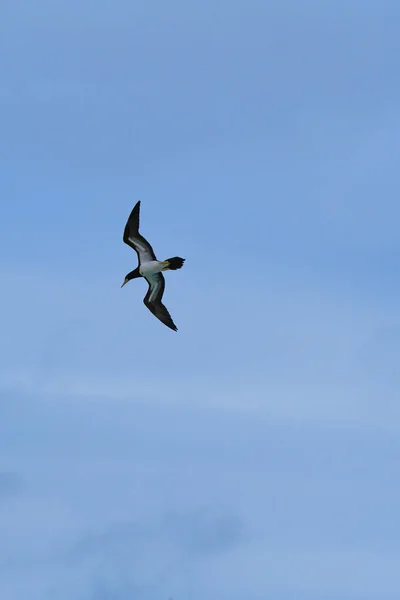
x: 150, y: 268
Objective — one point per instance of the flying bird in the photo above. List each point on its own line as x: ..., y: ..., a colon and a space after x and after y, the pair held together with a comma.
x: 150, y: 268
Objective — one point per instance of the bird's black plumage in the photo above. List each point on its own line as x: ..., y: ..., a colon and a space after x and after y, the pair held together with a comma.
x: 150, y: 268
x: 136, y: 241
x: 153, y: 300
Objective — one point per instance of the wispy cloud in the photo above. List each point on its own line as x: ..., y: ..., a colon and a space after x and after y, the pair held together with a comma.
x: 10, y: 484
x: 147, y: 556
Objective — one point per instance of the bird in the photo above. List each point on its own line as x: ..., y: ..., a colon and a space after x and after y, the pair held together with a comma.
x: 150, y: 268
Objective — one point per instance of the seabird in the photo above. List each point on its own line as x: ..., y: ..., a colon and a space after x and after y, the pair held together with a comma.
x: 150, y: 268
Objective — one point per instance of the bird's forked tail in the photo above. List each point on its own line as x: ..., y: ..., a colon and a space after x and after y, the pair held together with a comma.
x: 173, y: 263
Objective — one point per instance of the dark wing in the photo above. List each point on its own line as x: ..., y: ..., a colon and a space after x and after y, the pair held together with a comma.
x: 136, y: 241
x: 153, y: 299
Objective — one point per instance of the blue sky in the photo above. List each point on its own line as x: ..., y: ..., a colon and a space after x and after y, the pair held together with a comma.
x: 253, y: 454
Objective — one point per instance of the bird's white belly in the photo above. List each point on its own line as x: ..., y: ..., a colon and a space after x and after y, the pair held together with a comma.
x: 151, y: 267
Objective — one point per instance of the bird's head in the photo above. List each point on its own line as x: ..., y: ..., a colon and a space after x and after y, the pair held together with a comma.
x: 132, y: 275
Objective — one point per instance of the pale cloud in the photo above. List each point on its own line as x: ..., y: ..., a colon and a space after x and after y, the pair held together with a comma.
x: 354, y: 405
x: 10, y: 484
x: 361, y: 574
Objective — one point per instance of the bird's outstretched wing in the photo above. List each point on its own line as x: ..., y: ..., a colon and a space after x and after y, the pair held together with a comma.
x: 136, y: 241
x: 153, y: 300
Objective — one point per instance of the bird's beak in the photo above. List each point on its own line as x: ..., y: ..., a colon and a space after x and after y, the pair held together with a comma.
x: 125, y: 281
